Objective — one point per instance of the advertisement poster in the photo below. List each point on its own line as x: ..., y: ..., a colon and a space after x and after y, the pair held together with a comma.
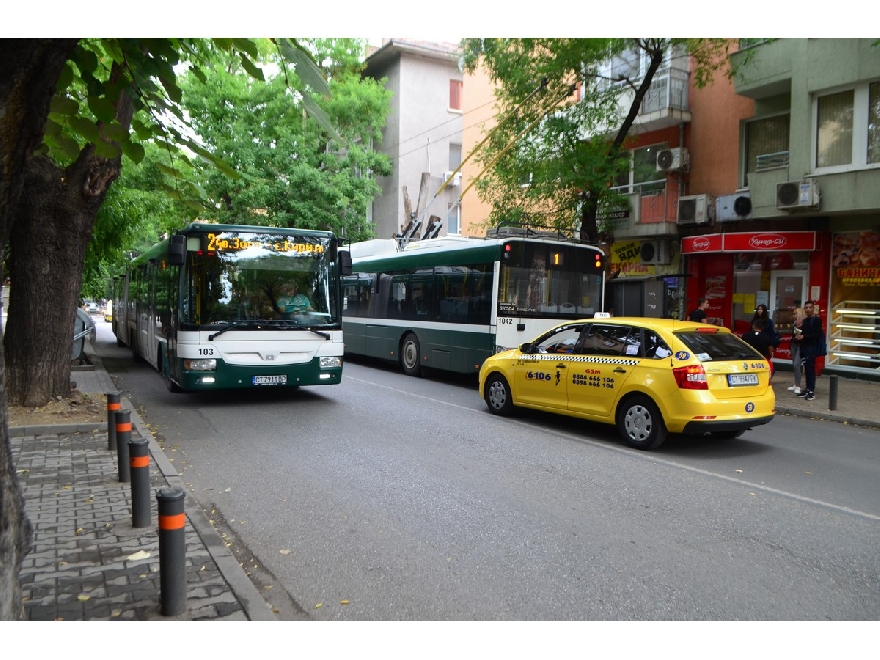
x: 626, y: 261
x: 855, y: 260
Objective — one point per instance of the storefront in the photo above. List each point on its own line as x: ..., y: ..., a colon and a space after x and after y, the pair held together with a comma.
x: 854, y: 309
x: 738, y: 271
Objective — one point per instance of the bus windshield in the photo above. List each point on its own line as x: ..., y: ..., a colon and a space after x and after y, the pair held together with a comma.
x: 236, y: 277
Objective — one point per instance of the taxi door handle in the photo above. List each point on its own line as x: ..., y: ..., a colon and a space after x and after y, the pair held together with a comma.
x: 619, y: 370
x: 561, y: 366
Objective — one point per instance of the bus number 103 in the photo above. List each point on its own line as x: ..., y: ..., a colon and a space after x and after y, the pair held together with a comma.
x: 206, y: 351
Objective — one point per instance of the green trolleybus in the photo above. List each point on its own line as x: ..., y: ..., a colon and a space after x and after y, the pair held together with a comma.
x: 209, y: 308
x: 449, y: 304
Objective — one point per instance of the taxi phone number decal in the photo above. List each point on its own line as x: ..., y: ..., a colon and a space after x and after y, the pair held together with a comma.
x: 592, y: 381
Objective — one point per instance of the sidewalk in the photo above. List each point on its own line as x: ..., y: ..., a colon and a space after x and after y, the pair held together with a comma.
x: 857, y: 401
x: 88, y: 562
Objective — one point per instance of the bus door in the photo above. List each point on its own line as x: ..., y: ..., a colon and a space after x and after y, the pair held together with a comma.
x: 542, y: 376
x: 378, y: 334
x: 607, y: 354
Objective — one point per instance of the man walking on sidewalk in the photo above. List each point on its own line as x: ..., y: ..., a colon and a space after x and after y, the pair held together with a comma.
x: 811, y: 333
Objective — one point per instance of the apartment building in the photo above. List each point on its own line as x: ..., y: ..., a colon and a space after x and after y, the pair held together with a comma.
x: 423, y: 137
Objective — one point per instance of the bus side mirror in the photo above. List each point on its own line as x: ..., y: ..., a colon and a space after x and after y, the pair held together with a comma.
x: 177, y: 250
x: 344, y: 257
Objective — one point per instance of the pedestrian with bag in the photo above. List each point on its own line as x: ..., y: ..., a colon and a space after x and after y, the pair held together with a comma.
x: 762, y: 313
x: 797, y: 366
x: 810, y: 339
x: 758, y: 339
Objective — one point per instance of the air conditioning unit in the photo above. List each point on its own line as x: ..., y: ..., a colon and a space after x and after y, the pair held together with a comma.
x: 656, y: 253
x: 456, y: 181
x: 794, y: 195
x: 670, y: 160
x: 695, y: 210
x: 737, y: 206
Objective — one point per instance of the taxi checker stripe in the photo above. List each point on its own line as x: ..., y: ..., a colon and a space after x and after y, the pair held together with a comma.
x: 172, y: 522
x: 582, y: 358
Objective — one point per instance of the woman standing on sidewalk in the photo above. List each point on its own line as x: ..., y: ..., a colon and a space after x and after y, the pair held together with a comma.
x: 797, y: 324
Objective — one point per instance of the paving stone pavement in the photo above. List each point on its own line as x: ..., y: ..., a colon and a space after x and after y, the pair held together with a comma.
x: 88, y: 561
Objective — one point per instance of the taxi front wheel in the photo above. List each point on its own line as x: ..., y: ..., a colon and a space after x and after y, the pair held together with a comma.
x: 498, y: 396
x: 640, y: 423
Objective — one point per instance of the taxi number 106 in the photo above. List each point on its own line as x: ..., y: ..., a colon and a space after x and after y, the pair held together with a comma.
x: 593, y: 381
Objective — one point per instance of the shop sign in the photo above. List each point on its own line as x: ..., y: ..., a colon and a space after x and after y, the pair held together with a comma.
x: 750, y: 242
x: 770, y: 241
x: 701, y: 244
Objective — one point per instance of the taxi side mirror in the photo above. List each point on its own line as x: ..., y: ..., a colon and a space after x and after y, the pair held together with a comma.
x: 526, y: 347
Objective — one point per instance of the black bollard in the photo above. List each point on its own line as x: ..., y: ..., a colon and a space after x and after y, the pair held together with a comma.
x: 123, y: 436
x: 832, y: 393
x: 113, y: 404
x: 172, y: 551
x: 140, y: 482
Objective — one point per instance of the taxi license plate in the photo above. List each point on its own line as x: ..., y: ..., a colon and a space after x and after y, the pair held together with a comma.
x: 735, y: 380
x: 270, y: 380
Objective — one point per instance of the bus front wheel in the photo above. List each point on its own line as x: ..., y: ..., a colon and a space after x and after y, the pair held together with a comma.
x: 411, y: 355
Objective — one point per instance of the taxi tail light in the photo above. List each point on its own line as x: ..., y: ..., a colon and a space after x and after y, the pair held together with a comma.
x: 691, y: 377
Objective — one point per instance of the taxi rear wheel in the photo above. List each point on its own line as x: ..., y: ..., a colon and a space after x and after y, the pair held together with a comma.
x: 498, y: 396
x: 640, y: 423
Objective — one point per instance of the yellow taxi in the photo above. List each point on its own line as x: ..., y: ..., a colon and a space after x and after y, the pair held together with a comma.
x: 649, y: 377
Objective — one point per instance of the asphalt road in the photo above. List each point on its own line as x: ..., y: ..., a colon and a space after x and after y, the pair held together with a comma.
x: 395, y: 498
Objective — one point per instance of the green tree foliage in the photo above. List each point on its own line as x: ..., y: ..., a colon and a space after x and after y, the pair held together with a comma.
x: 144, y: 203
x: 290, y: 172
x: 567, y: 152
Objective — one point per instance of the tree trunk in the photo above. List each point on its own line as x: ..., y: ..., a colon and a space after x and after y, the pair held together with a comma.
x: 51, y: 231
x: 29, y: 70
x: 47, y: 249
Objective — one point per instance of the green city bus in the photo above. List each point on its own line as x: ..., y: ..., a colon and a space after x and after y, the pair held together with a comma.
x: 448, y: 304
x: 202, y: 307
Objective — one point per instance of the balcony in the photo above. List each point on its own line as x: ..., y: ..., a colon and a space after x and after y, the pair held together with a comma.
x: 764, y: 69
x: 650, y: 213
x: 667, y: 102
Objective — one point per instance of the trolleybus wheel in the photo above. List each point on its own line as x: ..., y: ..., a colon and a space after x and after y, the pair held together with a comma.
x: 411, y: 355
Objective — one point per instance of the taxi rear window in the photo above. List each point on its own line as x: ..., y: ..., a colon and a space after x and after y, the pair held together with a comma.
x: 717, y: 346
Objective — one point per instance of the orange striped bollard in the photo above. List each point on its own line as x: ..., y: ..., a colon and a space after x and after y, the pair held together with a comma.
x: 113, y: 404
x: 123, y: 435
x: 172, y: 551
x: 140, y: 482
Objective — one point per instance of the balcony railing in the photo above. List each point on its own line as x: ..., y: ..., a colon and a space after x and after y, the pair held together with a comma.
x: 669, y: 90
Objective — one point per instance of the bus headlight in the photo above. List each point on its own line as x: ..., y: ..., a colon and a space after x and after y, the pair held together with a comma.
x: 200, y: 365
x: 333, y: 362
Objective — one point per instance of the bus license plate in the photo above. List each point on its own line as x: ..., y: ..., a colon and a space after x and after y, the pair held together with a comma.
x: 735, y: 380
x: 270, y: 380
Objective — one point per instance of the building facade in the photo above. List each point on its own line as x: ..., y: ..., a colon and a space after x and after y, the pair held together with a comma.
x: 802, y: 222
x: 423, y: 137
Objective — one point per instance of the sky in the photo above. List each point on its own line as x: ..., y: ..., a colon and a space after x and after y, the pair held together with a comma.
x: 347, y: 18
